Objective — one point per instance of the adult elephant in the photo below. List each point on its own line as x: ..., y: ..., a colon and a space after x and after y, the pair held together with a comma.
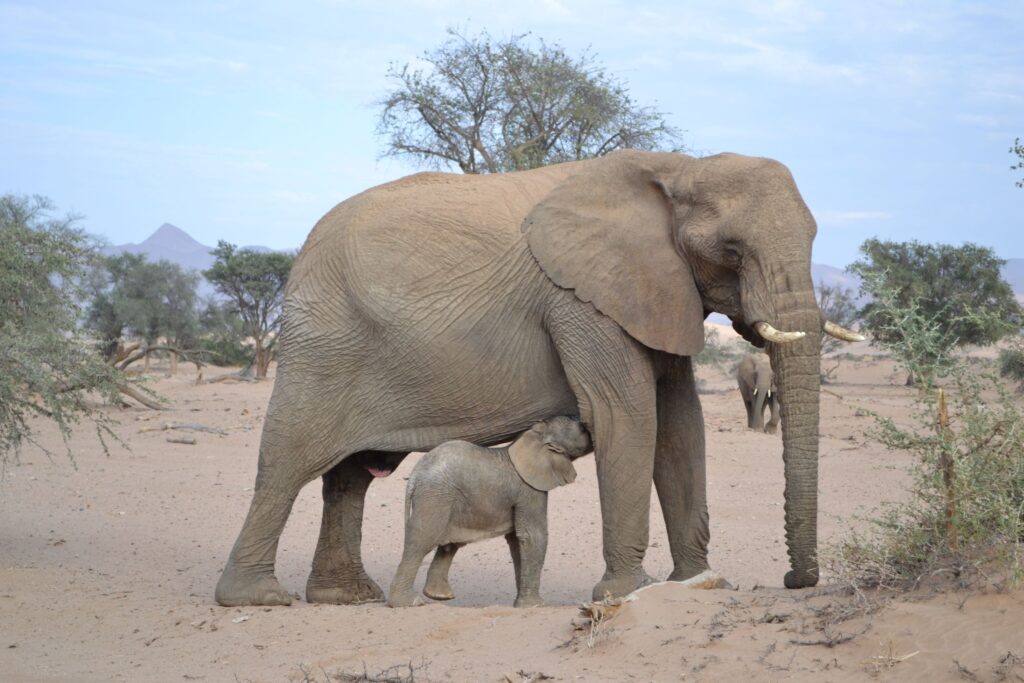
x: 443, y: 306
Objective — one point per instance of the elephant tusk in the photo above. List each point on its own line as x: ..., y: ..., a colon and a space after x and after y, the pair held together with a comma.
x: 774, y: 335
x: 840, y: 332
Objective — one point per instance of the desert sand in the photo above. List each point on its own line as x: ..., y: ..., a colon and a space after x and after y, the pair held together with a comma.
x: 107, y: 567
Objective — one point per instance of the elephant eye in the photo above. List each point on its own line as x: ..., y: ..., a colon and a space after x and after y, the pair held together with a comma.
x: 732, y: 249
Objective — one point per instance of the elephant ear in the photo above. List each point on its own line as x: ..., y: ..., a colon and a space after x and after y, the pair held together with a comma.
x: 540, y: 465
x: 606, y: 232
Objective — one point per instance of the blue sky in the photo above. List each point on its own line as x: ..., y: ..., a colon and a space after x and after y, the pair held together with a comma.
x: 247, y: 121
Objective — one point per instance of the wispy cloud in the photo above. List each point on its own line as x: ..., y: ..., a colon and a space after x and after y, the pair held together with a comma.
x: 980, y: 120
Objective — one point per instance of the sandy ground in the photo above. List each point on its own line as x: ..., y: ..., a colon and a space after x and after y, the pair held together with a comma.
x: 107, y: 568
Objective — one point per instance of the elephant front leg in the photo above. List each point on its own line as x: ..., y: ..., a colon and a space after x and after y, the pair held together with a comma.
x: 679, y: 470
x: 613, y: 379
x: 338, y: 576
x: 528, y: 543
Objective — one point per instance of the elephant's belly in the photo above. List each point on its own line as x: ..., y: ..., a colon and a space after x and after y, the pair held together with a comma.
x: 471, y: 535
x: 481, y: 380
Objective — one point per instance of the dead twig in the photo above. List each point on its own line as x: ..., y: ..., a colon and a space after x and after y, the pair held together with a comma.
x: 400, y: 673
x: 187, y: 440
x: 191, y: 426
x: 831, y: 640
x: 596, y: 614
x: 234, y: 377
x: 527, y: 677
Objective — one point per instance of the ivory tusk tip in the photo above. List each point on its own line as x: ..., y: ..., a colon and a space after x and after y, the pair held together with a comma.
x: 773, y: 335
x: 839, y: 332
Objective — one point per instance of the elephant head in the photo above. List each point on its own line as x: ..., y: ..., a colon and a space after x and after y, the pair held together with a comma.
x: 543, y: 454
x: 656, y: 241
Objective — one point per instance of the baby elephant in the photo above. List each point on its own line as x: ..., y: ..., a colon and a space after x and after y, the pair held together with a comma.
x: 460, y: 493
x: 757, y: 386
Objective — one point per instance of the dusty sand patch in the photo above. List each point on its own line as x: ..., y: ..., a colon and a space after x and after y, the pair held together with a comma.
x: 107, y: 570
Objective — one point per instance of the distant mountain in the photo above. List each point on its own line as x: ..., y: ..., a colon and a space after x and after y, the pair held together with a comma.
x: 171, y: 243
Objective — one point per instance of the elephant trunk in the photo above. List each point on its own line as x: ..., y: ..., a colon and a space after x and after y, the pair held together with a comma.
x: 797, y: 375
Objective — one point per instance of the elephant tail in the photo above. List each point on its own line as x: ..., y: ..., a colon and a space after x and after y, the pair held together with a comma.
x: 409, y: 495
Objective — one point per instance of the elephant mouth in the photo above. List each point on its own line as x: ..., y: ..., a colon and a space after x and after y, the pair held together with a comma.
x: 378, y: 472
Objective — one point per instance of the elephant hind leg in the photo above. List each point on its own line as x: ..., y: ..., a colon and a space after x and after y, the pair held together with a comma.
x: 437, y: 586
x: 248, y: 578
x: 338, y: 576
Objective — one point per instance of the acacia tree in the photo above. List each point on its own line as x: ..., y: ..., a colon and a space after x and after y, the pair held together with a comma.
x: 944, y: 285
x: 254, y: 282
x: 47, y: 365
x: 131, y: 296
x: 492, y: 106
x: 837, y: 304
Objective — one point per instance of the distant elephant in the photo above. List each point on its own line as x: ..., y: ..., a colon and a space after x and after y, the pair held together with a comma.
x: 445, y: 306
x: 460, y: 493
x: 757, y: 387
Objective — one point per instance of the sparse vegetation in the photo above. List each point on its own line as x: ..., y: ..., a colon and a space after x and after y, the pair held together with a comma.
x: 940, y: 286
x: 48, y: 367
x: 133, y: 298
x: 254, y: 283
x: 1011, y: 364
x: 837, y: 304
x: 966, y: 511
x: 714, y: 352
x: 222, y: 336
x: 488, y: 106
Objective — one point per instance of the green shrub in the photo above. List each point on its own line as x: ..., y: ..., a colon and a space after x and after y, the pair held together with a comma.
x: 985, y: 526
x: 966, y: 508
x: 224, y: 352
x: 1011, y: 365
x: 48, y: 367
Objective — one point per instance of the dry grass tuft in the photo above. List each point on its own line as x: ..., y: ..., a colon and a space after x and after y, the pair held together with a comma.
x: 593, y: 616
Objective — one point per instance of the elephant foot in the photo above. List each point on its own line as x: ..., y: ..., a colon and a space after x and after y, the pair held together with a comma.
x: 438, y: 591
x: 620, y: 585
x: 771, y: 429
x: 235, y: 589
x: 682, y: 573
x: 804, y: 579
x: 529, y: 601
x: 406, y: 599
x: 358, y: 591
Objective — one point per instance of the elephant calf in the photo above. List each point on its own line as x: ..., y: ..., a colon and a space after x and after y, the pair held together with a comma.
x: 757, y: 386
x: 460, y: 493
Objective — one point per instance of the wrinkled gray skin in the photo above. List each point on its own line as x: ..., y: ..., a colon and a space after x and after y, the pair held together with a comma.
x: 460, y: 493
x: 757, y: 387
x: 445, y: 306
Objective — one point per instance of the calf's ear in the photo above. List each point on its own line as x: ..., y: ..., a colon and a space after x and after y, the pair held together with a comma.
x: 540, y: 465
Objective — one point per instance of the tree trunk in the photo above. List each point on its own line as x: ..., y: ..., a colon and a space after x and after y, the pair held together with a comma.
x: 261, y: 361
